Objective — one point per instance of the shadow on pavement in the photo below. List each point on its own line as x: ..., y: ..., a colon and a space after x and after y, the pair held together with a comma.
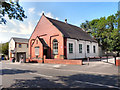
x: 90, y: 80
x: 14, y: 71
x: 69, y: 82
x: 37, y: 82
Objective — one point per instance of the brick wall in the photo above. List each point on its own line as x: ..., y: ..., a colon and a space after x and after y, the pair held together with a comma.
x: 36, y: 60
x: 46, y: 30
x: 59, y: 61
x: 39, y: 44
x: 65, y: 61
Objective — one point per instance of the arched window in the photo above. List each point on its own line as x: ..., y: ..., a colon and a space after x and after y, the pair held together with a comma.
x: 55, y: 46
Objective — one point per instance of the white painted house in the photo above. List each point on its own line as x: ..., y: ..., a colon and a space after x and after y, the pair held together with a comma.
x: 18, y: 47
x: 82, y: 49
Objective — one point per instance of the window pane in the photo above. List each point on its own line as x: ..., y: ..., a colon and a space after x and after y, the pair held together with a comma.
x: 94, y: 49
x: 36, y: 51
x: 70, y: 48
x: 55, y: 46
x: 88, y: 49
x: 20, y: 45
x: 80, y: 48
x: 27, y: 45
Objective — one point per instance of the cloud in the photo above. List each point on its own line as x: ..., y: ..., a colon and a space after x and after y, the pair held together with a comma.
x: 26, y: 29
x: 2, y: 26
x: 48, y: 14
x: 11, y: 21
x: 31, y: 10
x: 20, y: 29
x: 57, y: 18
x: 14, y: 31
x: 3, y: 31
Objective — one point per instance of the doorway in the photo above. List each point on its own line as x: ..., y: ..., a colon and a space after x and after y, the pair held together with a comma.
x: 46, y: 53
x: 21, y: 55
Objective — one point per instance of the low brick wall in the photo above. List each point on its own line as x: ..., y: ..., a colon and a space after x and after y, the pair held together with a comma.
x: 27, y: 60
x: 11, y: 59
x: 36, y: 60
x: 58, y: 61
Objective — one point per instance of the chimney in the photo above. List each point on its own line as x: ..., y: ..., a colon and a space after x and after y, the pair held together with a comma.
x: 43, y: 13
x: 65, y: 20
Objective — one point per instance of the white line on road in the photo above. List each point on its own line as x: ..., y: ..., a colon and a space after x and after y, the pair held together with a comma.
x: 109, y: 86
x: 41, y: 75
x: 7, y: 68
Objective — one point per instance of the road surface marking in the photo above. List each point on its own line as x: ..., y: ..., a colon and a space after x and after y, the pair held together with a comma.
x: 97, y: 84
x: 6, y: 68
x: 56, y: 66
x: 41, y: 75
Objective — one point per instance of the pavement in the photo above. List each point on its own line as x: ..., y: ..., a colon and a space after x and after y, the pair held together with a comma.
x: 97, y: 74
x: 110, y: 60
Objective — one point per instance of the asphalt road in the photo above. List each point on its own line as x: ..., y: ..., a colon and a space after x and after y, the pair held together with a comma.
x: 35, y: 75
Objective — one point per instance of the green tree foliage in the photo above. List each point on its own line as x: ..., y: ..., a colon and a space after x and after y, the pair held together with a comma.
x: 4, y: 48
x: 106, y: 31
x: 85, y: 25
x: 12, y: 9
x: 0, y: 48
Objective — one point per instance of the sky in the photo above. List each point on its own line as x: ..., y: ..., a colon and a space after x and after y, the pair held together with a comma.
x: 75, y: 13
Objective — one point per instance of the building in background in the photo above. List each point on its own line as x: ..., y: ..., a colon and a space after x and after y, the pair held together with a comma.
x: 18, y: 48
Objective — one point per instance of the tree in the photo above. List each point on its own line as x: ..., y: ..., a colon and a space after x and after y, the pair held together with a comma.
x: 12, y: 9
x: 4, y: 48
x: 106, y: 31
x: 86, y: 25
x: 0, y: 48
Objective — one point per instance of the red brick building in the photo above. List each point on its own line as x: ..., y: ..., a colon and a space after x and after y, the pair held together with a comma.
x: 56, y: 39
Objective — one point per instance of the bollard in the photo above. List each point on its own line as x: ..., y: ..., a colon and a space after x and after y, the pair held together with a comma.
x: 107, y: 58
x: 100, y: 58
x: 88, y: 60
x: 115, y: 59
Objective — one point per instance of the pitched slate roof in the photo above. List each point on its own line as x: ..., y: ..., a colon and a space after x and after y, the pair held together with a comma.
x: 20, y: 40
x: 71, y: 31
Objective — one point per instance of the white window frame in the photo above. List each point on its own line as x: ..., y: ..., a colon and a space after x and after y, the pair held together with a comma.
x: 55, y: 47
x: 70, y: 47
x: 80, y: 48
x: 94, y: 49
x: 88, y: 49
